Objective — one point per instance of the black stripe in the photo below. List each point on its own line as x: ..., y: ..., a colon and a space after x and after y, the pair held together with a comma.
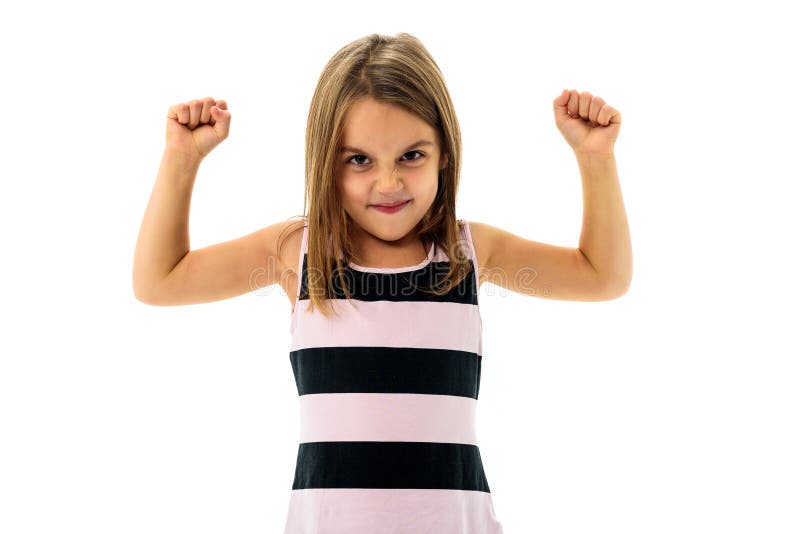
x: 389, y: 464
x: 386, y: 370
x: 403, y: 286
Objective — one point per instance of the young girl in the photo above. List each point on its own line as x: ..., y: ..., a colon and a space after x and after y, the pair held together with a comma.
x: 383, y: 283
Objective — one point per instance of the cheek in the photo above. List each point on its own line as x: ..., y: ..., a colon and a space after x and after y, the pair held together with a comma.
x: 420, y: 178
x: 352, y: 190
x: 428, y: 186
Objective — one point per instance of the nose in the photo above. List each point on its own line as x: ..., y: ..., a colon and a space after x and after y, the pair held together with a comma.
x: 389, y: 182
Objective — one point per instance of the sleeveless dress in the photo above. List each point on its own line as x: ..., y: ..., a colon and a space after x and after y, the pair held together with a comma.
x: 388, y: 390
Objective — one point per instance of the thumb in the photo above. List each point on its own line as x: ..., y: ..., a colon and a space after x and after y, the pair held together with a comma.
x: 222, y: 118
x: 560, y: 104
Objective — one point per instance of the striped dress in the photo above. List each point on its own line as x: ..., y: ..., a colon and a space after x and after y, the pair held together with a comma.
x: 388, y: 392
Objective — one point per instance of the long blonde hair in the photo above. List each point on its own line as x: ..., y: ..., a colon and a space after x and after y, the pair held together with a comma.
x: 394, y: 70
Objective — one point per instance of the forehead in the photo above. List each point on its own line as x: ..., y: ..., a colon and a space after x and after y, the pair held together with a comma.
x: 372, y: 123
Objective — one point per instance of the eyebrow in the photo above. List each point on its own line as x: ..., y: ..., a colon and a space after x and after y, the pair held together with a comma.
x: 421, y: 142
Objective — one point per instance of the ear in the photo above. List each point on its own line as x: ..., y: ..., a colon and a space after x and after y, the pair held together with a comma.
x: 445, y: 161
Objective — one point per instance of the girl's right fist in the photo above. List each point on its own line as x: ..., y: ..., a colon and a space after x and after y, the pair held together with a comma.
x: 194, y: 128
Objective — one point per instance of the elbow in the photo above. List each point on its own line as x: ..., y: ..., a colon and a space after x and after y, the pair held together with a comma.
x: 138, y: 289
x: 149, y: 300
x: 144, y: 294
x: 620, y: 289
x: 141, y: 296
x: 614, y: 289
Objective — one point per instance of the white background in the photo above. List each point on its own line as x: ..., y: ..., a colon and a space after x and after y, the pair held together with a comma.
x: 671, y: 409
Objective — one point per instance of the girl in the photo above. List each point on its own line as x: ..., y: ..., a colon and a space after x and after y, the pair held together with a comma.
x: 383, y: 283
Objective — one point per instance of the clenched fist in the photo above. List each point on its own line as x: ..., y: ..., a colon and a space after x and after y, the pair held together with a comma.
x: 588, y: 124
x: 194, y: 128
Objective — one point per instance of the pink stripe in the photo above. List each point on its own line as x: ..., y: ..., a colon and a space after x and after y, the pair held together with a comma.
x: 391, y: 511
x: 387, y: 417
x: 383, y: 323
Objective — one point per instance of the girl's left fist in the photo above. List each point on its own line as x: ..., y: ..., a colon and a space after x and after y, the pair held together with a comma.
x: 589, y: 125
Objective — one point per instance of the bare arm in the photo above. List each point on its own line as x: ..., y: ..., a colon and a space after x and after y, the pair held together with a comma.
x: 164, y: 232
x: 167, y: 273
x: 605, y: 237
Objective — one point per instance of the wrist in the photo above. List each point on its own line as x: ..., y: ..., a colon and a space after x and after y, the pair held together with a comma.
x: 181, y: 159
x: 582, y: 154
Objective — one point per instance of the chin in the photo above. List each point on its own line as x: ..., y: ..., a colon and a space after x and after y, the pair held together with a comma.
x: 388, y: 230
x: 394, y: 233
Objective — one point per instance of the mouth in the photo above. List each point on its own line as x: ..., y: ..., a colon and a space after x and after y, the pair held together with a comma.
x: 393, y: 205
x: 390, y: 208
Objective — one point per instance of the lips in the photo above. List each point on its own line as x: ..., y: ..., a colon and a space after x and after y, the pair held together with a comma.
x: 392, y: 205
x: 396, y: 208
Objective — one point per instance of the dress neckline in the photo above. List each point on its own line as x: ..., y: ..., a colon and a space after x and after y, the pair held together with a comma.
x: 420, y: 265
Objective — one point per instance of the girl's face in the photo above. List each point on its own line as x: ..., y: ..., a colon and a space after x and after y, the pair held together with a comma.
x: 381, y: 163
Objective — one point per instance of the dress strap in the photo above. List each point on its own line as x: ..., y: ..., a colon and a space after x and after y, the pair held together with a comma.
x: 301, y: 261
x: 467, y: 236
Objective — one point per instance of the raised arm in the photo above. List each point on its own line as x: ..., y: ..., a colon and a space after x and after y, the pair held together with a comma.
x: 163, y: 240
x: 165, y: 271
x: 601, y: 267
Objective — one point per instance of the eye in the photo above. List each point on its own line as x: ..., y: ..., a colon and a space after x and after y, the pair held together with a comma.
x: 357, y: 156
x: 421, y: 155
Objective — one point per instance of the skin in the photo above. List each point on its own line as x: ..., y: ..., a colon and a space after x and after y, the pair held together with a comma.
x: 167, y: 273
x: 383, y: 170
